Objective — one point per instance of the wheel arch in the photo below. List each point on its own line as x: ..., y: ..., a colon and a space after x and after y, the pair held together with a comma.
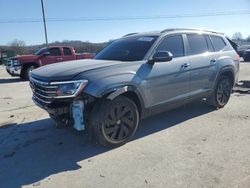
x: 36, y: 64
x: 26, y: 65
x: 128, y: 91
x: 229, y: 72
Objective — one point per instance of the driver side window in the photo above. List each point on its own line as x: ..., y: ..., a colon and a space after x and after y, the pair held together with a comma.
x: 173, y: 44
x: 54, y: 52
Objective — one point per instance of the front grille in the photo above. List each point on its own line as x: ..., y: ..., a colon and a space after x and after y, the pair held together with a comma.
x: 9, y: 62
x: 43, y: 92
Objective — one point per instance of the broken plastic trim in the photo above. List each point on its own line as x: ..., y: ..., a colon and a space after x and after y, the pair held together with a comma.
x: 117, y: 92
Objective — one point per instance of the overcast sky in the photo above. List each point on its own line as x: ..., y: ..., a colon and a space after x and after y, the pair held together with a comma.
x: 120, y: 17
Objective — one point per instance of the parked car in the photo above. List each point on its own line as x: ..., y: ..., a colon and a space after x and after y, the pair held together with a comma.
x: 22, y: 65
x: 241, y: 50
x: 134, y: 77
x: 246, y: 55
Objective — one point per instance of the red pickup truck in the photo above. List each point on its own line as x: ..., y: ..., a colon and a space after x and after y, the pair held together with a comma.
x: 22, y: 65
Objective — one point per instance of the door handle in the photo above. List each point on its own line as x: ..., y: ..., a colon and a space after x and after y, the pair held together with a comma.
x: 185, y: 65
x: 213, y: 61
x: 59, y: 59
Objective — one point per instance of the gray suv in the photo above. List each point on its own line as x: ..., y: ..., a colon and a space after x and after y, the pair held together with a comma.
x: 136, y: 76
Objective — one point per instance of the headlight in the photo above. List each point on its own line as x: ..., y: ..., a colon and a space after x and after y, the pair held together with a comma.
x: 16, y: 62
x: 69, y: 88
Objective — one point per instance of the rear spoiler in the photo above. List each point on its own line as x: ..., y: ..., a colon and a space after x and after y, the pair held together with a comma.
x: 233, y: 44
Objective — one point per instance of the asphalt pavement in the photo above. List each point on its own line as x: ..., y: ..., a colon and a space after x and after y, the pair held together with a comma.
x: 192, y: 146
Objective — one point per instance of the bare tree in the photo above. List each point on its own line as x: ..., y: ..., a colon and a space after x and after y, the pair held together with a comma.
x: 237, y: 36
x: 18, y: 46
x: 248, y: 38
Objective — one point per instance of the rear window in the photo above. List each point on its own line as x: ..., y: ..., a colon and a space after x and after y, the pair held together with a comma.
x: 209, y: 44
x: 197, y: 44
x: 218, y: 43
x: 67, y: 51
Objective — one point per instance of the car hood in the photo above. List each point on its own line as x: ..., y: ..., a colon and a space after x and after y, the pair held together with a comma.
x: 26, y: 58
x: 68, y: 70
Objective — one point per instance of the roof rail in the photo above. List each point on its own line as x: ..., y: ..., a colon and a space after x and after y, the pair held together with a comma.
x: 129, y: 34
x: 192, y: 29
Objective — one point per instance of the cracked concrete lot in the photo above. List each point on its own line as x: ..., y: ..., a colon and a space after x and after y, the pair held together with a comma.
x: 192, y: 146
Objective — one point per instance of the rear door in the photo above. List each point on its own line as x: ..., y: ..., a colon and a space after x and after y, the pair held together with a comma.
x: 202, y: 63
x: 53, y: 56
x: 168, y: 81
x: 68, y: 54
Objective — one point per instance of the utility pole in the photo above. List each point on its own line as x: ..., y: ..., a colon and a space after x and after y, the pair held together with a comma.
x: 44, y: 24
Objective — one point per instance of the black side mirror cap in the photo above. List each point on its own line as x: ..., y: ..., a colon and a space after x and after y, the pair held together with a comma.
x: 162, y: 56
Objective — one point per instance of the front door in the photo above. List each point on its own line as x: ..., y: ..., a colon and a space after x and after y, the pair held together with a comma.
x: 53, y: 55
x: 168, y: 81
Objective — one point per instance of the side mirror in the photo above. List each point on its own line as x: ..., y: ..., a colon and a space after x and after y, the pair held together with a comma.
x: 162, y: 56
x: 46, y: 53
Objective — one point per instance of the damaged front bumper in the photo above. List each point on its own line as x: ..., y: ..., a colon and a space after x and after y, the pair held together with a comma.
x: 64, y: 109
x: 70, y: 112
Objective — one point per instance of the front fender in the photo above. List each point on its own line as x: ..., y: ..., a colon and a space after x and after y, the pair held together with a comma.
x: 98, y: 87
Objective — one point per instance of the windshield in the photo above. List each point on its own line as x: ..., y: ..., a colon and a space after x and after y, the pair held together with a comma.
x: 39, y: 52
x: 133, y: 48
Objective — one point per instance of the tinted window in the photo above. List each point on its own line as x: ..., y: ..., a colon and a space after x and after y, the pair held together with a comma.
x: 197, y: 44
x: 218, y: 43
x: 132, y: 48
x: 173, y: 44
x: 55, y: 51
x: 67, y: 51
x: 40, y: 52
x: 209, y: 44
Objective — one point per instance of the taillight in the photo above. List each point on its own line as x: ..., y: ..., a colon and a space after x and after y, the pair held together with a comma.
x: 237, y: 58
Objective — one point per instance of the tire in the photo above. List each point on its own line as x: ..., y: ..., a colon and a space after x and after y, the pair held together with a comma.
x: 113, y: 123
x: 221, y: 93
x: 27, y: 71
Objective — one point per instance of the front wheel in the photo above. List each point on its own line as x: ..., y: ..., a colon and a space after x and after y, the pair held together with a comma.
x: 27, y: 72
x: 113, y: 123
x: 222, y: 92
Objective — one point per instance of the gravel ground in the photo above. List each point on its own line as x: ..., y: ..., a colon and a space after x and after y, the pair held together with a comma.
x: 192, y: 146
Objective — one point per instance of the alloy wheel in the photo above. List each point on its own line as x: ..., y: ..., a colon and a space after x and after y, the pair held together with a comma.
x: 119, y: 124
x: 223, y: 92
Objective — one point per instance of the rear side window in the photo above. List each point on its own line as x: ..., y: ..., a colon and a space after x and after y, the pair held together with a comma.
x: 54, y: 51
x: 197, y: 44
x: 173, y: 44
x: 209, y: 44
x: 67, y: 51
x: 218, y: 43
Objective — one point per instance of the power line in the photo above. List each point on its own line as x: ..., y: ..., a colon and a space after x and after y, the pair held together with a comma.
x: 85, y: 19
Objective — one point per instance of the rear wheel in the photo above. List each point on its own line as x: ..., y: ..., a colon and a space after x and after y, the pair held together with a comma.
x: 222, y: 92
x: 114, y: 123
